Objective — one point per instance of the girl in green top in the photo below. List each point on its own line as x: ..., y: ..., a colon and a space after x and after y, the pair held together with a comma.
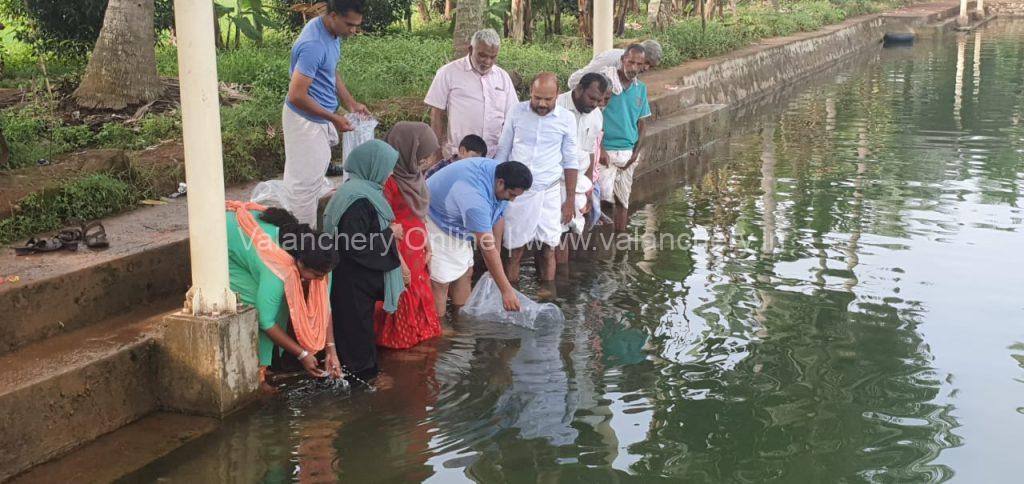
x: 258, y: 286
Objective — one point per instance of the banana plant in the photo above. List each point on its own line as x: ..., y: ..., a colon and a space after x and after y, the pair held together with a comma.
x: 247, y: 17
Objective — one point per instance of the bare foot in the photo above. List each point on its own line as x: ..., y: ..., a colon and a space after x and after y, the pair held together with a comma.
x: 268, y: 389
x: 383, y: 382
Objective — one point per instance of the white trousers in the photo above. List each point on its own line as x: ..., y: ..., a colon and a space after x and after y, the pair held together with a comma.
x: 307, y: 153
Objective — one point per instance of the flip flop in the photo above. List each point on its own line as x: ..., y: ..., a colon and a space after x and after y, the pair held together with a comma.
x: 95, y: 236
x: 73, y: 233
x: 37, y: 246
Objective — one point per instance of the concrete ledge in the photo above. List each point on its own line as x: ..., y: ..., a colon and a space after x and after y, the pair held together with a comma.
x: 208, y: 365
x: 755, y: 70
x: 673, y: 101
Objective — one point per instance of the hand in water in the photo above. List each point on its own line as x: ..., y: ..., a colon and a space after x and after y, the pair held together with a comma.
x: 333, y: 364
x: 510, y: 300
x: 309, y: 364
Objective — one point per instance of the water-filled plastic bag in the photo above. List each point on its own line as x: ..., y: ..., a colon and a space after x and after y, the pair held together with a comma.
x: 485, y: 304
x: 363, y: 132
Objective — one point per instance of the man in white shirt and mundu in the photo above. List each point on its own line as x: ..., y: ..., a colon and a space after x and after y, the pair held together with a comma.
x: 583, y: 102
x: 541, y: 135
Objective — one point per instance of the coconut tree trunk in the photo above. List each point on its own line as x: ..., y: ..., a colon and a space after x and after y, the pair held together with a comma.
x: 218, y: 42
x: 520, y: 14
x: 424, y: 11
x: 586, y: 16
x: 468, y: 19
x: 122, y: 70
x: 621, y: 9
x: 558, y: 18
x: 448, y: 10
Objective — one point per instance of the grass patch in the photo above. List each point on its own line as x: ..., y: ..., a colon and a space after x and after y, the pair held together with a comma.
x: 92, y: 197
x: 35, y: 133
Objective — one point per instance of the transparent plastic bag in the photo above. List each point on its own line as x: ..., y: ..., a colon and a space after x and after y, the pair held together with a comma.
x: 272, y: 193
x: 363, y: 132
x: 485, y: 304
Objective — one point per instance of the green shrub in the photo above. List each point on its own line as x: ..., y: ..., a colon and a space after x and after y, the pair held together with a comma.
x: 529, y: 60
x: 28, y: 131
x: 92, y: 197
x: 687, y: 39
x: 376, y: 68
x: 72, y: 137
x: 154, y: 128
x: 116, y: 135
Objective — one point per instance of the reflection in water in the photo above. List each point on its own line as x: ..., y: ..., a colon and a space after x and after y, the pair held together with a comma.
x: 958, y: 93
x: 844, y: 306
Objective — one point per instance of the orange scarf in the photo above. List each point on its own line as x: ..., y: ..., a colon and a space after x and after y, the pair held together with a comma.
x: 309, y: 317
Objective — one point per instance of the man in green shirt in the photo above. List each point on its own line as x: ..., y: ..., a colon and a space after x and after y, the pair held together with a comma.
x: 624, y: 125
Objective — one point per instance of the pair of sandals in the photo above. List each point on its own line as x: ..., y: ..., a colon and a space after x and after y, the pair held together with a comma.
x: 92, y: 234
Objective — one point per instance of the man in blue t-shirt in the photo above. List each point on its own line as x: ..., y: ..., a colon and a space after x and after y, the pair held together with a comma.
x: 309, y: 118
x: 467, y: 202
x: 624, y: 125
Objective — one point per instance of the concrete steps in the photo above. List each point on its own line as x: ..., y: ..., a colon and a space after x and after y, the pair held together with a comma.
x: 96, y: 286
x: 66, y: 391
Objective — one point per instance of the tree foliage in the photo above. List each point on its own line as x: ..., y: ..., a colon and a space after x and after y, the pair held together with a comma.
x: 249, y: 18
x: 68, y: 26
x: 378, y: 15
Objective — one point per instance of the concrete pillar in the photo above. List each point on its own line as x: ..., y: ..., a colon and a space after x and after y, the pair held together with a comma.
x: 963, y: 20
x: 981, y: 8
x: 208, y: 365
x: 204, y: 161
x: 603, y: 26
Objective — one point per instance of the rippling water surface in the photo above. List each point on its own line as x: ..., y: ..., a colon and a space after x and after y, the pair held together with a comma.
x: 839, y: 297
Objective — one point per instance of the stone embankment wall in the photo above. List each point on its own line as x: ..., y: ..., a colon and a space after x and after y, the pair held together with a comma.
x: 1006, y: 8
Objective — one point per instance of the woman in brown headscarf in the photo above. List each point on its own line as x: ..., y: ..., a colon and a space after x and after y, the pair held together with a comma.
x: 406, y: 191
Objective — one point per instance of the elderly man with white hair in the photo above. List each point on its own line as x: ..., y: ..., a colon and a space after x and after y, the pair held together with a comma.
x: 474, y: 94
x: 610, y: 61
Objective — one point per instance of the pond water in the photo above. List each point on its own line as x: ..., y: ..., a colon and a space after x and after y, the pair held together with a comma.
x: 838, y: 296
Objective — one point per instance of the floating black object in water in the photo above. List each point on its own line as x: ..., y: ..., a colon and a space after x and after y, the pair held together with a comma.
x: 898, y: 38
